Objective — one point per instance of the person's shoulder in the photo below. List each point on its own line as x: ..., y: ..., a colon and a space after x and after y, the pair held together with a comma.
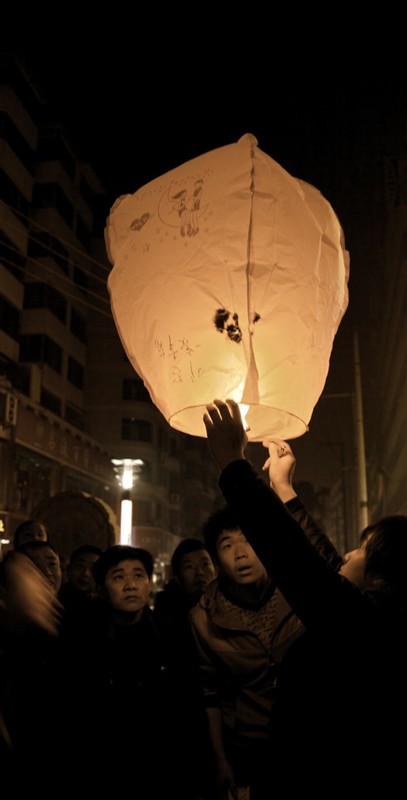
x: 208, y: 600
x: 169, y: 599
x: 84, y: 620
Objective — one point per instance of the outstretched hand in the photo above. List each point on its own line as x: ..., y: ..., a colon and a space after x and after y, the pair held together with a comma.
x: 280, y: 465
x: 227, y: 438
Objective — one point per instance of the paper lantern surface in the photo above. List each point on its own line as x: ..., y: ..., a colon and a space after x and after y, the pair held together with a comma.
x: 230, y: 279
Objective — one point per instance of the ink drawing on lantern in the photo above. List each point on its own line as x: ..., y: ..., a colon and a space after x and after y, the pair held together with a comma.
x: 229, y: 279
x: 184, y: 369
x: 180, y: 207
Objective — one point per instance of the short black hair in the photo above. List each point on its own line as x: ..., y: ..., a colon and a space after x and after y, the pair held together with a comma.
x: 188, y: 545
x: 121, y: 552
x: 85, y: 548
x: 386, y: 550
x: 26, y: 527
x: 221, y: 520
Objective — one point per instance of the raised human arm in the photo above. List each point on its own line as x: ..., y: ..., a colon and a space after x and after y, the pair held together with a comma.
x: 280, y: 465
x: 314, y: 590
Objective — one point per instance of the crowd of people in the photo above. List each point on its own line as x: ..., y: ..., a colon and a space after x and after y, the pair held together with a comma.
x: 270, y: 666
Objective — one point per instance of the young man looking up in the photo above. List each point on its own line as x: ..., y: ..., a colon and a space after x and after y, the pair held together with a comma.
x: 242, y: 625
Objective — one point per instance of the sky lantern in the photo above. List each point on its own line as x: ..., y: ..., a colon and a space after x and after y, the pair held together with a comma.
x: 229, y: 279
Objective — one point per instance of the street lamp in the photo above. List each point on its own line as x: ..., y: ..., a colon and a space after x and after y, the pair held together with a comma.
x: 126, y: 470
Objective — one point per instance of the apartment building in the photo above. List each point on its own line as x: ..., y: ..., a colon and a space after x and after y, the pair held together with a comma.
x: 70, y: 402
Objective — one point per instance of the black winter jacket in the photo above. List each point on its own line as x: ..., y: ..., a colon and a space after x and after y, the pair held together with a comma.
x: 341, y: 702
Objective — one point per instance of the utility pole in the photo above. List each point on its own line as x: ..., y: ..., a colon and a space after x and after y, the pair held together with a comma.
x: 363, y: 509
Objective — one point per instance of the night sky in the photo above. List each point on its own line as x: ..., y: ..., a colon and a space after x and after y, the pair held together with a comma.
x: 135, y: 116
x: 140, y: 107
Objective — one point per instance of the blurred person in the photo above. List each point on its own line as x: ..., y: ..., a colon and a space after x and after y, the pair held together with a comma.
x: 31, y: 620
x: 27, y: 598
x: 29, y: 531
x: 28, y: 604
x: 46, y: 558
x: 341, y: 690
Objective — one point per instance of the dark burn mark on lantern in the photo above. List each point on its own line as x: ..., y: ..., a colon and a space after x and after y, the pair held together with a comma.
x: 227, y: 322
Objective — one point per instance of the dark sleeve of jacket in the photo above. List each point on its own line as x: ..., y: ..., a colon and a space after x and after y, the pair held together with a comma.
x: 315, y: 533
x: 316, y: 592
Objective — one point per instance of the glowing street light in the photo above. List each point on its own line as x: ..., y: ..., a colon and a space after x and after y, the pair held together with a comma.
x: 126, y: 470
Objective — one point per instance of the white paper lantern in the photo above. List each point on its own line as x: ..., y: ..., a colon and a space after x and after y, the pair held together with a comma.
x: 230, y: 279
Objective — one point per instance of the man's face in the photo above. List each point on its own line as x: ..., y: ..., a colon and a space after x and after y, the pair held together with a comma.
x: 237, y: 559
x: 80, y: 573
x: 127, y: 587
x: 196, y: 571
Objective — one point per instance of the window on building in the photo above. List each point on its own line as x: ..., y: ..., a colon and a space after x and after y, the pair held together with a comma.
x: 80, y: 278
x: 75, y: 416
x: 40, y: 348
x: 143, y: 512
x: 46, y: 195
x: 78, y: 326
x: 44, y: 245
x: 134, y: 389
x: 17, y: 374
x: 31, y: 482
x: 50, y: 401
x: 75, y: 373
x: 41, y: 295
x: 12, y: 259
x: 137, y: 430
x: 11, y: 195
x: 9, y: 318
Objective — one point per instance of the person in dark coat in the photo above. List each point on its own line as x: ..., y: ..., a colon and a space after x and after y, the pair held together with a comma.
x: 124, y: 692
x: 193, y: 570
x: 116, y: 678
x: 341, y: 695
x: 79, y: 588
